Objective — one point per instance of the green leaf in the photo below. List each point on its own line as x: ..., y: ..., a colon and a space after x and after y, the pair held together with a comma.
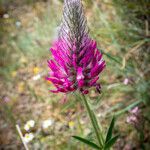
x: 111, y: 57
x: 110, y: 130
x: 91, y: 144
x: 129, y: 107
x: 111, y: 142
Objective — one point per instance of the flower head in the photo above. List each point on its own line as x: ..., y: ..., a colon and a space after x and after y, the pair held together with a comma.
x: 29, y: 124
x: 135, y: 118
x: 126, y: 81
x: 47, y: 123
x: 28, y: 137
x: 71, y: 124
x: 76, y: 62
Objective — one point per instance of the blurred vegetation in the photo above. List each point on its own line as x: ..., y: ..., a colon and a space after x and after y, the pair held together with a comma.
x: 27, y: 29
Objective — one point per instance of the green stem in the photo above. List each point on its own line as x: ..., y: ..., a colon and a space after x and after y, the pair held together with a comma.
x: 94, y: 123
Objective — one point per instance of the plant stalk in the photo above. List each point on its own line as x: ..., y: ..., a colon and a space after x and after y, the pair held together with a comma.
x: 21, y: 136
x: 94, y: 124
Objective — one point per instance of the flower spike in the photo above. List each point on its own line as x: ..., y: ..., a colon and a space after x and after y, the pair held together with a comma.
x: 76, y: 62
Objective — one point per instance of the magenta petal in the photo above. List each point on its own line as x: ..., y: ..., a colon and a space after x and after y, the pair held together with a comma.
x: 62, y: 90
x: 74, y: 61
x: 98, y: 88
x: 84, y: 91
x: 97, y: 69
x: 54, y: 91
x: 93, y: 81
x: 57, y: 74
x: 80, y: 77
x: 55, y: 81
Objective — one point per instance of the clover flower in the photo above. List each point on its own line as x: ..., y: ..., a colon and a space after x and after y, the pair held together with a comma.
x: 76, y: 62
x: 135, y: 118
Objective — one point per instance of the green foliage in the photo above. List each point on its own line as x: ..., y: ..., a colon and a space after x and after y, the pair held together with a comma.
x: 85, y: 141
x: 111, y: 142
x: 110, y: 130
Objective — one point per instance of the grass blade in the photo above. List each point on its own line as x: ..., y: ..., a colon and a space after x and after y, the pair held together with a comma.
x: 111, y: 57
x: 110, y: 130
x: 111, y: 142
x: 118, y: 113
x: 85, y: 141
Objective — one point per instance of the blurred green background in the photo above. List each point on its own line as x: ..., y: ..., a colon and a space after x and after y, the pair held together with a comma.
x: 27, y: 30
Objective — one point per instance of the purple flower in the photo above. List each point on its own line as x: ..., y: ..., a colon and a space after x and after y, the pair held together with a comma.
x: 126, y: 81
x: 76, y: 62
x: 135, y: 118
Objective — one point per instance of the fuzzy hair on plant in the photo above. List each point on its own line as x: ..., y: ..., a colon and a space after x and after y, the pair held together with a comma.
x: 76, y: 62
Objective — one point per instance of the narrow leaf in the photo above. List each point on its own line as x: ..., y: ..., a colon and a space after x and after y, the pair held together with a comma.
x: 111, y: 142
x: 110, y: 130
x: 129, y: 107
x: 111, y: 57
x: 85, y: 141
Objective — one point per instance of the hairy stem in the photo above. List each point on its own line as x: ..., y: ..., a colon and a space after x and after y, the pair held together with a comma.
x: 94, y: 123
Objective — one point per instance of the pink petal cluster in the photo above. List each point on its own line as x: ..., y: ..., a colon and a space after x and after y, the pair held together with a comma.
x: 72, y: 70
x: 76, y: 62
x: 135, y: 118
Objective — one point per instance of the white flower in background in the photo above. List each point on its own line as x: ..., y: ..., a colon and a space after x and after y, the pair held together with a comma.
x: 36, y: 77
x: 18, y: 23
x: 47, y: 123
x: 5, y: 16
x: 126, y: 81
x: 29, y: 124
x: 28, y: 137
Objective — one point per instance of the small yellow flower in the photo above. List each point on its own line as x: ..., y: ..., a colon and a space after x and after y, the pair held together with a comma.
x: 13, y: 74
x: 49, y: 82
x: 23, y: 60
x: 71, y: 124
x: 36, y: 70
x: 21, y: 86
